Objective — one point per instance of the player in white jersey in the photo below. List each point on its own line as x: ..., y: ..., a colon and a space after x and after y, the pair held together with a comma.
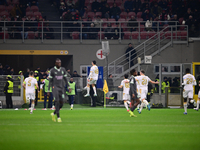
x: 92, y: 78
x: 29, y: 84
x: 188, y: 82
x: 143, y: 84
x: 126, y: 86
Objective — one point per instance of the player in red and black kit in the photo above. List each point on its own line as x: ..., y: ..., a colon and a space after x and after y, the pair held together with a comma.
x: 58, y: 80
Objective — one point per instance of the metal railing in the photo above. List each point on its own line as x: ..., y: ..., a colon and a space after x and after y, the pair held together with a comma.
x: 154, y: 45
x: 78, y: 30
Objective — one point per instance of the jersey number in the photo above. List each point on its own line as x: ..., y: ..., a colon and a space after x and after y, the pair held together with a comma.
x: 29, y: 82
x: 127, y: 85
x: 189, y: 80
x: 144, y: 81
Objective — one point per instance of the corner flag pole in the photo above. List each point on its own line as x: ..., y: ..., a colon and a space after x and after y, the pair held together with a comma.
x: 105, y: 90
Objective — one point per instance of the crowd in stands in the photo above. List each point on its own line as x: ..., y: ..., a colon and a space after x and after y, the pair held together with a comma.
x: 95, y: 12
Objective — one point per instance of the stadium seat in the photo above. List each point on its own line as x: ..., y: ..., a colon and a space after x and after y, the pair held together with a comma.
x: 9, y: 2
x: 151, y: 34
x: 143, y: 35
x: 121, y: 8
x: 180, y: 20
x: 131, y: 14
x: 183, y: 34
x: 9, y: 8
x: 29, y: 13
x: 118, y: 2
x: 167, y: 35
x: 110, y: 2
x: 139, y: 19
x: 2, y: 8
x: 73, y: 13
x: 112, y: 21
x: 15, y: 2
x: 28, y: 9
x: 123, y: 15
x: 4, y: 13
x: 141, y: 28
x: 34, y: 8
x: 31, y: 35
x: 139, y: 14
x: 124, y: 27
x: 135, y: 35
x: 182, y: 28
x: 127, y: 35
x: 6, y: 35
x: 37, y: 13
x: 165, y: 27
x: 114, y: 26
x: 75, y: 35
x: 102, y: 35
x: 91, y: 14
x: 122, y: 20
x: 98, y: 14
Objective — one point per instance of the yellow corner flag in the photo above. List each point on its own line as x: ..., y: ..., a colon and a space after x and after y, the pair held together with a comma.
x: 105, y: 87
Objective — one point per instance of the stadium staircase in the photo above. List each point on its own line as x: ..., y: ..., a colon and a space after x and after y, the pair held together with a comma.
x: 156, y: 43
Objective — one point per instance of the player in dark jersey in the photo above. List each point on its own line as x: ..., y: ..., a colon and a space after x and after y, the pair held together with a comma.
x: 58, y: 80
x: 133, y: 93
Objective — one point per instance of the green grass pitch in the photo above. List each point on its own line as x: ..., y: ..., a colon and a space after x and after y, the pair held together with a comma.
x: 87, y: 128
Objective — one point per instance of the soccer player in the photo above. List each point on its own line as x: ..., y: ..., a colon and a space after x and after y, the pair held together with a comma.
x: 133, y: 93
x: 29, y: 84
x: 58, y: 80
x: 188, y: 82
x: 92, y: 78
x: 126, y: 86
x: 143, y: 82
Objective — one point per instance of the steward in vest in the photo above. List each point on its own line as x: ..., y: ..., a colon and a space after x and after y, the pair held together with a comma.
x: 36, y: 91
x: 8, y: 90
x: 45, y: 89
x: 165, y: 83
x: 157, y: 85
x: 150, y: 92
x: 19, y: 78
x: 73, y: 92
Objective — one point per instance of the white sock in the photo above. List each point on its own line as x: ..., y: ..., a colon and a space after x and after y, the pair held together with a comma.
x: 95, y: 91
x: 185, y: 107
x: 126, y: 105
x: 138, y: 106
x: 32, y: 107
x: 72, y: 105
x: 197, y: 104
x: 141, y: 107
x: 88, y: 90
x: 145, y: 102
x: 128, y: 102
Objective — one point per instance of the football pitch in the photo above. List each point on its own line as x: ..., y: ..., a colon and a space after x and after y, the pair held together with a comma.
x: 87, y: 128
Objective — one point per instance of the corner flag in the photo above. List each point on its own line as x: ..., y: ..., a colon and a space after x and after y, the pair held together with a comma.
x: 105, y: 87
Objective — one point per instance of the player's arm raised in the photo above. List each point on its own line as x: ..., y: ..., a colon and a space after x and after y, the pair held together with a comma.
x: 153, y: 82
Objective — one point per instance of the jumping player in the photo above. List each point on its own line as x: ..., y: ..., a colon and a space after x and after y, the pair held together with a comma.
x: 188, y: 82
x: 58, y: 80
x: 92, y: 78
x: 29, y: 84
x: 133, y: 93
x: 126, y: 86
x: 143, y: 82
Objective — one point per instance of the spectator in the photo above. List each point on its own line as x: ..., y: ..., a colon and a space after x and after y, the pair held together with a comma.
x: 73, y: 26
x: 89, y: 21
x: 84, y: 31
x: 149, y: 25
x: 163, y: 4
x: 128, y: 6
x: 62, y: 9
x: 117, y: 32
x: 106, y: 12
x: 12, y: 71
x: 83, y: 11
x: 77, y: 15
x: 146, y: 15
x: 146, y: 7
x: 1, y: 69
x: 109, y: 32
x: 165, y: 84
x: 110, y: 82
x: 71, y: 4
x: 187, y: 14
x: 176, y: 21
x: 75, y: 74
x: 28, y: 26
x: 156, y: 10
x: 98, y: 22
x: 102, y: 5
x: 132, y: 23
x: 14, y: 30
x: 164, y: 17
x: 33, y: 3
x: 68, y: 16
x: 68, y: 73
x: 15, y: 11
x: 27, y: 73
x: 95, y: 6
x: 137, y: 6
x: 8, y: 90
x: 48, y: 32
x: 130, y: 54
x: 192, y: 26
x: 22, y: 8
x: 115, y: 12
x: 175, y: 85
x: 143, y: 6
x: 153, y: 3
x: 92, y: 32
x: 39, y: 25
x: 7, y: 70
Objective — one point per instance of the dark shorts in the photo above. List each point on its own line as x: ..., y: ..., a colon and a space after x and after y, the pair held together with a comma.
x: 58, y: 94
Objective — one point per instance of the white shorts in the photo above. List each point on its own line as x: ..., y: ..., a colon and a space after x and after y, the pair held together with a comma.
x: 199, y: 94
x: 30, y: 96
x: 188, y: 93
x: 92, y: 82
x: 126, y: 97
x: 139, y: 92
x: 143, y: 93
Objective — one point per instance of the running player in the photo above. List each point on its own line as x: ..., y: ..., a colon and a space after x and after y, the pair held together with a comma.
x: 133, y: 93
x: 92, y: 78
x: 29, y: 84
x: 188, y: 82
x: 58, y: 80
x: 143, y: 82
x: 125, y: 85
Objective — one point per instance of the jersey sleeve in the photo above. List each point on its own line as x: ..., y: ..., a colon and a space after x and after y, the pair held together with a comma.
x: 148, y: 79
x: 91, y: 72
x: 194, y: 81
x: 122, y: 83
x: 51, y: 75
